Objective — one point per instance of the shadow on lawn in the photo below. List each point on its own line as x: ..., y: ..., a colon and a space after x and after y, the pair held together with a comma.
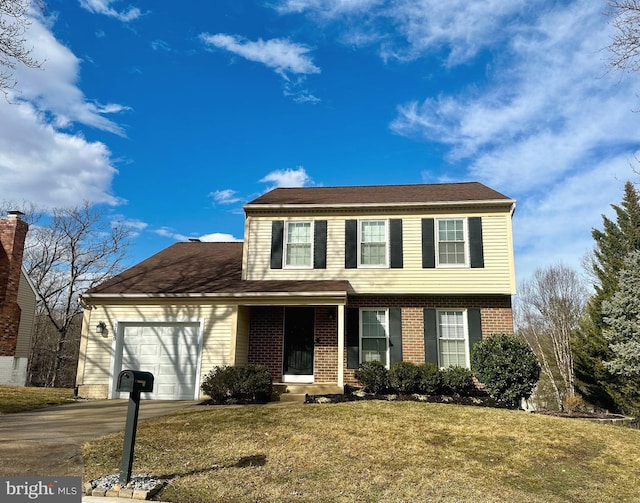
x: 243, y: 462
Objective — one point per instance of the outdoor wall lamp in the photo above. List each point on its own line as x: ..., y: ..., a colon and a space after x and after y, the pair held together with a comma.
x: 101, y: 328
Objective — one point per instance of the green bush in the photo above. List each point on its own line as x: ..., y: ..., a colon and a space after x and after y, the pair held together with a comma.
x: 457, y: 381
x: 430, y: 379
x: 250, y: 384
x: 507, y: 367
x: 373, y: 376
x: 404, y: 377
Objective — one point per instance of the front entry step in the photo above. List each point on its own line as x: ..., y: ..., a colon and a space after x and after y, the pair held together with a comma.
x: 296, y: 392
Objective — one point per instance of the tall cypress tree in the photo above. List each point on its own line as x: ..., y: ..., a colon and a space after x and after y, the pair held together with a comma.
x: 613, y: 244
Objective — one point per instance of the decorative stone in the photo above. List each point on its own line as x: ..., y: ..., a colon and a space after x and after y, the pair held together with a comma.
x: 99, y: 491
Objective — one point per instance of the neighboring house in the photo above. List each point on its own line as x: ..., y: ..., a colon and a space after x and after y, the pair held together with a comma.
x: 17, y: 302
x: 326, y: 278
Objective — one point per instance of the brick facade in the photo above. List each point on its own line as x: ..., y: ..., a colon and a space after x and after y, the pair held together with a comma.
x: 13, y: 232
x: 266, y: 329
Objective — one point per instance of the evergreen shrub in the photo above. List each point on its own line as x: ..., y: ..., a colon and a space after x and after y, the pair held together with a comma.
x: 249, y: 384
x: 507, y: 366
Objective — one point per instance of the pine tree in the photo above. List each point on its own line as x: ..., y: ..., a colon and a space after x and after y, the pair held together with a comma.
x: 613, y: 244
x: 622, y: 321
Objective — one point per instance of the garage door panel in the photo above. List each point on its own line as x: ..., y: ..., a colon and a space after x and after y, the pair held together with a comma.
x: 169, y: 352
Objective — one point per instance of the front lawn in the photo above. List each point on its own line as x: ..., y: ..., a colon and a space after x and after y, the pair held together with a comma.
x: 378, y: 451
x: 21, y: 398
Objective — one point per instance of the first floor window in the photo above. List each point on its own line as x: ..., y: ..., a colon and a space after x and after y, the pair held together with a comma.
x: 452, y: 339
x: 298, y: 244
x: 374, y: 335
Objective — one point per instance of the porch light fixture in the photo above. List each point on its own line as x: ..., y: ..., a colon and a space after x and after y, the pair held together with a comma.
x: 101, y: 328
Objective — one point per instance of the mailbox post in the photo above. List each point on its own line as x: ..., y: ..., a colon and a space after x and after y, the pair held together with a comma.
x: 135, y: 382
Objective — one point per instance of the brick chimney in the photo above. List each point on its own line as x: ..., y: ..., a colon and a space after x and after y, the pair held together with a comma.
x: 13, y: 231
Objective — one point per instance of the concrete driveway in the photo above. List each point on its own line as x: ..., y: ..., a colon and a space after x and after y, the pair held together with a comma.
x: 48, y: 441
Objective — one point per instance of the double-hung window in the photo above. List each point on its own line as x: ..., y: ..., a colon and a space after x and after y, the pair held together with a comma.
x: 374, y: 335
x: 453, y: 341
x: 451, y: 242
x: 373, y: 243
x: 298, y: 244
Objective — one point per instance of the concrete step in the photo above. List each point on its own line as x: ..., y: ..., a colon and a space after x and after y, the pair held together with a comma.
x: 296, y: 392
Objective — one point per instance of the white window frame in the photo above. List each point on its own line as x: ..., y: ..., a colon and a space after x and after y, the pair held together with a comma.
x: 286, y: 244
x: 465, y: 323
x: 386, y: 329
x: 465, y: 230
x: 387, y: 244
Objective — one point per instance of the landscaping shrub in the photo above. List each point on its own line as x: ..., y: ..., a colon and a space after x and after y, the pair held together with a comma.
x: 457, y: 381
x: 430, y: 379
x: 250, y: 384
x: 507, y: 367
x: 373, y: 376
x: 404, y: 377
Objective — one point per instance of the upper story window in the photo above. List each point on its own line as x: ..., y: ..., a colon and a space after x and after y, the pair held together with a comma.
x: 373, y: 243
x: 452, y: 242
x: 298, y: 244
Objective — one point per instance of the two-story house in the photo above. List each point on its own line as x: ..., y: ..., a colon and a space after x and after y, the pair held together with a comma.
x: 326, y: 278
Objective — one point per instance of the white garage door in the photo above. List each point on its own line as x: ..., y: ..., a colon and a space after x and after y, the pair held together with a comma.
x: 169, y: 351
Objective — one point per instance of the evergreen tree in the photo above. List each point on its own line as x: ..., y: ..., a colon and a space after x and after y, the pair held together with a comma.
x: 613, y: 244
x: 622, y: 319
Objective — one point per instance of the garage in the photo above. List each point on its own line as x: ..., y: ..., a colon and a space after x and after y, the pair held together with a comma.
x: 170, y: 351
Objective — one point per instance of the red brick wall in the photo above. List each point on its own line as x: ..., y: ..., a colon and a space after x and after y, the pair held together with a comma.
x: 266, y: 330
x: 12, y: 235
x: 325, y: 366
x: 495, y: 311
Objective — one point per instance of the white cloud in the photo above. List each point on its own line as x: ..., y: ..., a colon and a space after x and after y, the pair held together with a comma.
x: 53, y: 88
x: 216, y: 237
x: 40, y: 161
x: 327, y: 8
x: 551, y: 129
x: 160, y: 45
x: 281, y: 55
x: 226, y: 196
x: 104, y: 7
x: 219, y: 237
x: 458, y: 27
x: 288, y: 178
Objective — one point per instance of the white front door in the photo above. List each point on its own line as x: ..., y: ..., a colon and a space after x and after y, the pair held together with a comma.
x: 170, y: 351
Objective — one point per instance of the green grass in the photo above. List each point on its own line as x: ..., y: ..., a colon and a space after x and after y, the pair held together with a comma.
x: 378, y: 451
x: 21, y: 399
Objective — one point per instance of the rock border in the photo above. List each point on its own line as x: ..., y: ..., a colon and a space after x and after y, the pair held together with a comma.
x: 93, y: 488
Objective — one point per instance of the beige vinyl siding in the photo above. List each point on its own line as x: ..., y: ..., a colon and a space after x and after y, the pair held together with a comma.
x: 27, y: 303
x: 97, y: 351
x: 241, y: 353
x: 497, y: 277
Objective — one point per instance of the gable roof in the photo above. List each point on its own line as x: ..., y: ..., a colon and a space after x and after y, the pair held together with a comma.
x: 201, y: 268
x: 381, y: 194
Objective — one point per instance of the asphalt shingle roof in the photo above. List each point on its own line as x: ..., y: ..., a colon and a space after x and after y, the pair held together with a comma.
x: 381, y: 194
x: 201, y: 268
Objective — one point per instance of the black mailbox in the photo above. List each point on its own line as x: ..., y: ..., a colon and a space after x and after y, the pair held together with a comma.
x: 135, y: 380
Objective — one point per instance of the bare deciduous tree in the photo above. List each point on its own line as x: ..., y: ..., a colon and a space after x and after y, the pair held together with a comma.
x: 548, y: 309
x: 14, y: 22
x: 75, y: 250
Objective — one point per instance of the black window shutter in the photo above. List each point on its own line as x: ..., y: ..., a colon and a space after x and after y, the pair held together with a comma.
x: 475, y: 242
x: 353, y: 337
x: 351, y: 244
x: 475, y: 326
x: 320, y: 244
x: 430, y: 336
x: 395, y: 335
x: 277, y: 239
x: 395, y: 236
x: 428, y: 244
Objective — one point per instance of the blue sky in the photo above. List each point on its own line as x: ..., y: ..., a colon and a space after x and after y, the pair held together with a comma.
x: 171, y: 115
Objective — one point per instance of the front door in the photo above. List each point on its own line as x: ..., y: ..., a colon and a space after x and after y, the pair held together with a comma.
x: 298, y: 344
